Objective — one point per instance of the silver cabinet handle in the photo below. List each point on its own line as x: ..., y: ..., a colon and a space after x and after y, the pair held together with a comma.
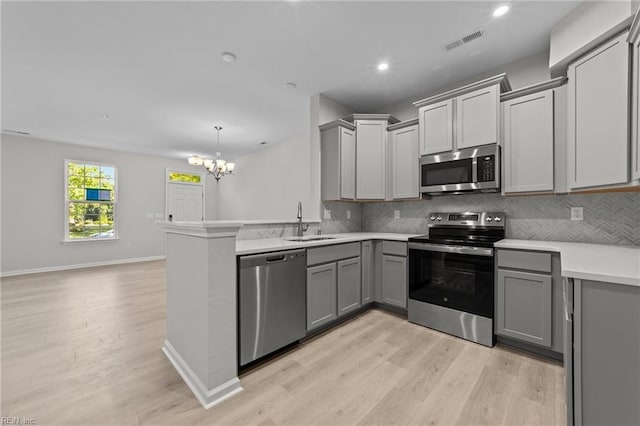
x: 475, y: 251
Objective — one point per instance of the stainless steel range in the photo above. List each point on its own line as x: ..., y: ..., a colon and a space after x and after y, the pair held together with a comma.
x: 451, y: 274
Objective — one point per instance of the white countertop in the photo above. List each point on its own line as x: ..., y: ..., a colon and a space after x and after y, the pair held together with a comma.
x: 598, y: 262
x: 276, y: 244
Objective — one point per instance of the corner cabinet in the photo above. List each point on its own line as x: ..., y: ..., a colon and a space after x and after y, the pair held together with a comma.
x: 598, y: 116
x: 338, y: 160
x: 462, y: 118
x: 531, y: 138
x: 634, y: 39
x: 404, y: 156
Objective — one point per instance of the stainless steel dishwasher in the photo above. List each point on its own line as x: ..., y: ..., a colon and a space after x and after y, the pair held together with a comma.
x: 272, y: 307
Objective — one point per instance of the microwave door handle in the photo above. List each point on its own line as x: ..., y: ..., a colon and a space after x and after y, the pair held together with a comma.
x: 474, y: 170
x: 475, y: 251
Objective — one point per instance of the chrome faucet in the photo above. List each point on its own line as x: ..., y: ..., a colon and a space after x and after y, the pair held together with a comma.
x: 301, y: 226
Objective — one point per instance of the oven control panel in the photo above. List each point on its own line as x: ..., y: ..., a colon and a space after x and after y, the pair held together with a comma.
x: 492, y: 219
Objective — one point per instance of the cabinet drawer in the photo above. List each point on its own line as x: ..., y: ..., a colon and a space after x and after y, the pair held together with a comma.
x: 527, y: 260
x: 397, y: 248
x: 332, y: 253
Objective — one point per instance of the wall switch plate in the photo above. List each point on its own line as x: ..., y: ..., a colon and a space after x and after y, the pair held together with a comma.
x: 577, y: 213
x: 348, y: 214
x: 327, y: 214
x: 396, y: 214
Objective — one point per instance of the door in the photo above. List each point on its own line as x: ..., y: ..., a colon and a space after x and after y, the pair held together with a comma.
x: 367, y: 272
x: 524, y: 310
x: 347, y: 164
x: 455, y: 280
x: 477, y: 118
x: 394, y: 280
x: 405, y: 158
x: 598, y: 117
x: 436, y: 127
x: 348, y: 285
x: 528, y: 143
x: 371, y: 140
x: 184, y: 202
x: 321, y: 295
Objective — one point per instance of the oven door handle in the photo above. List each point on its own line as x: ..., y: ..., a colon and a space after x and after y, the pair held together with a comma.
x: 475, y: 251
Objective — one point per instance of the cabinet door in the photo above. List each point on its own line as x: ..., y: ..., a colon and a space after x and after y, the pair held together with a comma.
x: 405, y: 159
x: 635, y: 112
x: 598, y: 117
x: 348, y: 285
x: 436, y: 127
x: 528, y: 143
x: 347, y: 164
x: 394, y: 280
x: 371, y: 143
x: 477, y: 118
x: 367, y: 272
x: 524, y: 309
x: 321, y: 295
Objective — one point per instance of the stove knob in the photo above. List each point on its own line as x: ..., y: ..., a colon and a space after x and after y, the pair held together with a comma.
x: 432, y: 218
x: 439, y: 218
x: 498, y: 219
x: 489, y: 219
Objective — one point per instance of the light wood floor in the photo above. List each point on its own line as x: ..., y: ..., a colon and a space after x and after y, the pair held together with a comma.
x: 83, y: 347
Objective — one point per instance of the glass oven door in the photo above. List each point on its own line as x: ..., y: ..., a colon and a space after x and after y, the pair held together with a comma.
x: 455, y: 277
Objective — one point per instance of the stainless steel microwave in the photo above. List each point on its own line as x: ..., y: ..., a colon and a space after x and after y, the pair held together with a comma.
x: 471, y: 169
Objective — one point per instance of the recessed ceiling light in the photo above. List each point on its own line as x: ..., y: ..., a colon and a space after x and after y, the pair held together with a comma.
x: 290, y: 85
x: 501, y: 10
x: 228, y: 57
x: 383, y: 66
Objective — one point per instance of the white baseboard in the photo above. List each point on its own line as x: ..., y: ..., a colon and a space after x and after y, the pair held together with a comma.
x: 79, y: 266
x: 207, y: 397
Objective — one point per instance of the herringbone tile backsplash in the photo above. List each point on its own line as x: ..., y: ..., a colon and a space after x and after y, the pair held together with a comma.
x: 608, y: 218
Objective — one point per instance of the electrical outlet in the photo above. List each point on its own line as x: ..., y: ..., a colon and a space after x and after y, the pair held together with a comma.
x: 577, y: 213
x: 327, y: 214
x: 348, y: 214
x: 396, y: 214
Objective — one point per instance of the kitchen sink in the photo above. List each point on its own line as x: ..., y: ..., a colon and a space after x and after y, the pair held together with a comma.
x: 309, y: 238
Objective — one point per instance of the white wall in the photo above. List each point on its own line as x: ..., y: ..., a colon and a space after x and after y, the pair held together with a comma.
x: 587, y: 26
x: 33, y: 206
x: 521, y: 73
x: 268, y: 184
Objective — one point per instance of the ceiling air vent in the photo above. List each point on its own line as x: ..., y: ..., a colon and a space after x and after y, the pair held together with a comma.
x: 463, y: 40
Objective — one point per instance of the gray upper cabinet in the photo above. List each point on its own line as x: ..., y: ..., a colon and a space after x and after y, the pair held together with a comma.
x: 598, y: 116
x: 634, y: 38
x: 405, y: 157
x: 394, y: 280
x: 477, y: 117
x: 525, y: 306
x: 338, y: 159
x: 465, y: 117
x: 436, y: 127
x: 349, y: 298
x: 321, y: 295
x: 368, y: 272
x: 371, y: 159
x: 528, y: 142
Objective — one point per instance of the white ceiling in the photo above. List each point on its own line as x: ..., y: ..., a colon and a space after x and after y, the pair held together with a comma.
x: 155, y: 67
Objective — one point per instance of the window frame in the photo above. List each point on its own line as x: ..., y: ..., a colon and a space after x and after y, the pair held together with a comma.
x: 116, y: 235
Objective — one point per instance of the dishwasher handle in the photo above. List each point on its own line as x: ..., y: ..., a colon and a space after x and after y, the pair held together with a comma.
x: 274, y: 259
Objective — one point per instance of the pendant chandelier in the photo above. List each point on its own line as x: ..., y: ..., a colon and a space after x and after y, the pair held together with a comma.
x: 216, y: 167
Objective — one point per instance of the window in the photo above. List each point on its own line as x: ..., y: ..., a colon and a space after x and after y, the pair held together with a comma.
x: 184, y: 177
x: 90, y: 195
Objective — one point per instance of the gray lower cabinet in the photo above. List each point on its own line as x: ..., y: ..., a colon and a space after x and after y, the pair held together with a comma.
x: 394, y: 280
x: 528, y: 300
x: 368, y: 272
x: 525, y: 306
x: 348, y: 285
x: 321, y: 295
x: 606, y: 354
